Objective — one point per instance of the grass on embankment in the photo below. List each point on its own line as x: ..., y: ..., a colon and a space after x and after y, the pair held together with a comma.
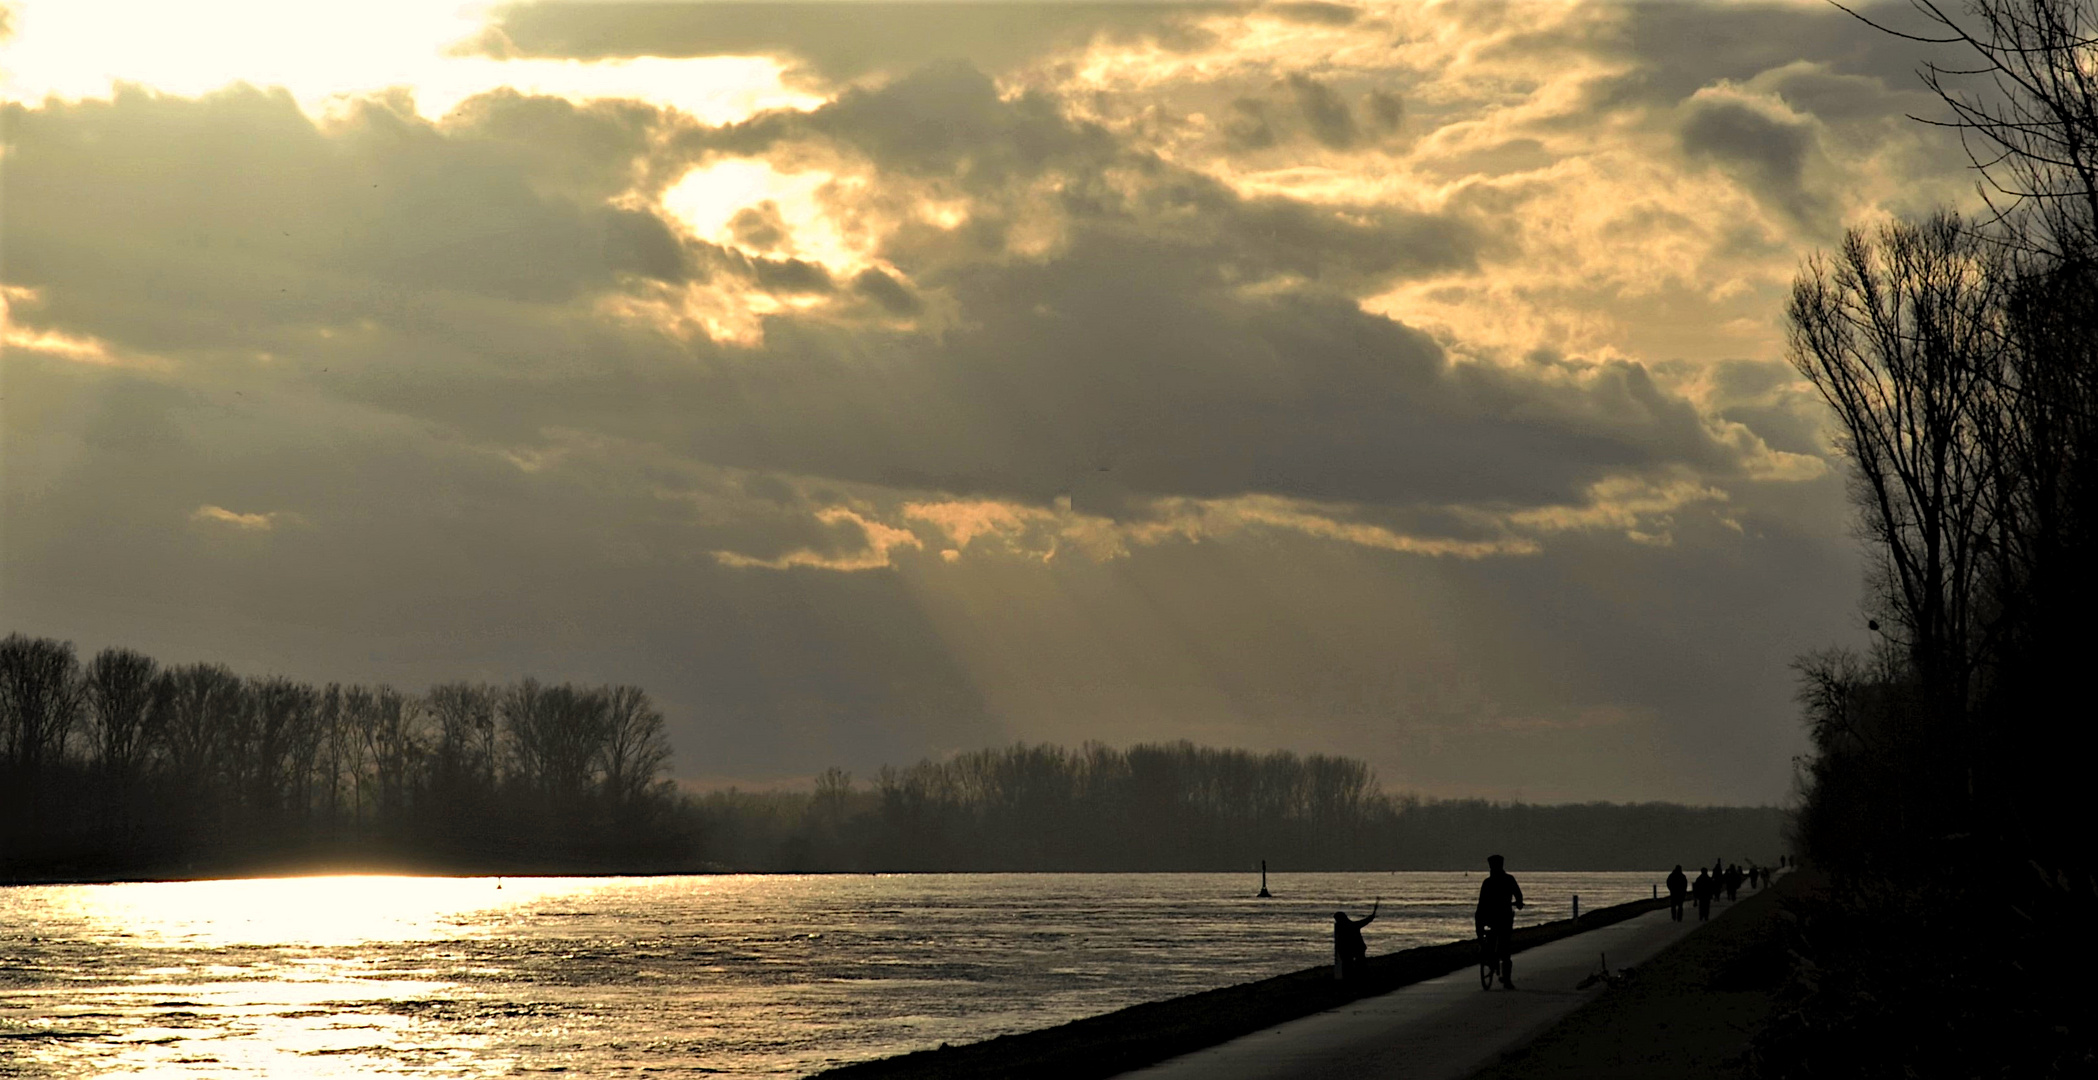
x: 1689, y: 1011
x: 1103, y: 1046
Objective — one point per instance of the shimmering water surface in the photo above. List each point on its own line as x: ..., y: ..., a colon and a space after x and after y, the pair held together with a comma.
x: 736, y: 976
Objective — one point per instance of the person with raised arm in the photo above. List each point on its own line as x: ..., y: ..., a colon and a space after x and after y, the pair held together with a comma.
x: 1349, y: 950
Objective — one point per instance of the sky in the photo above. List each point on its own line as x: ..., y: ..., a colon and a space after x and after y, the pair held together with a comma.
x: 876, y: 381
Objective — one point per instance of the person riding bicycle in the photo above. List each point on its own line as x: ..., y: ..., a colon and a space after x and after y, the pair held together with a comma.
x: 1494, y: 918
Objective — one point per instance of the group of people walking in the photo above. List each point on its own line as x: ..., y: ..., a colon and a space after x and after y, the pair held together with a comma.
x: 1721, y: 877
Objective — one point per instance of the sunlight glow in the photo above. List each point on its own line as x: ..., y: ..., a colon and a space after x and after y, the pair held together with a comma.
x: 341, y: 909
x: 710, y: 201
x: 324, y: 52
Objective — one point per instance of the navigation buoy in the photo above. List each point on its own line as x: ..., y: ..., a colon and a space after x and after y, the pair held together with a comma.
x: 1264, y: 894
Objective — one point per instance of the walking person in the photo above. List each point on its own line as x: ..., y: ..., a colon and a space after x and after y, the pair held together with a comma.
x: 1494, y: 917
x: 1677, y: 886
x: 1349, y: 950
x: 1702, y: 889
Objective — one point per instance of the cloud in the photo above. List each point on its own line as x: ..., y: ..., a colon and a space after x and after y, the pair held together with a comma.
x: 1049, y: 392
x: 1179, y: 341
x: 263, y: 522
x: 866, y: 546
x: 837, y: 42
x: 1329, y: 119
x: 1760, y: 142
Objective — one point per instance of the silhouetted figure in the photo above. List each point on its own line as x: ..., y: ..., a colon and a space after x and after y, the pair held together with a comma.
x: 1702, y: 888
x: 1677, y: 886
x: 1494, y: 917
x: 1733, y: 881
x: 1264, y: 894
x: 1755, y: 876
x: 1349, y: 950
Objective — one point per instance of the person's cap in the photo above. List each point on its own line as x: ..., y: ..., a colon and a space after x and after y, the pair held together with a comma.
x: 1494, y: 860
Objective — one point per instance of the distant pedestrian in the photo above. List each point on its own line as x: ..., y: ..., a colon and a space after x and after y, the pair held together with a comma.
x: 1755, y: 876
x: 1734, y: 877
x: 1349, y: 950
x: 1677, y: 886
x: 1702, y: 888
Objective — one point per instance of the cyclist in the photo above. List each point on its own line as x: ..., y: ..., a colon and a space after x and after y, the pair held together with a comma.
x: 1494, y: 918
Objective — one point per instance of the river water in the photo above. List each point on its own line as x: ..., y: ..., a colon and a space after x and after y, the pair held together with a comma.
x: 719, y: 975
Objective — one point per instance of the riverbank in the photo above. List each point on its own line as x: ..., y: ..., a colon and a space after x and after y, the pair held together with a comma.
x: 1692, y: 1010
x: 1141, y: 1035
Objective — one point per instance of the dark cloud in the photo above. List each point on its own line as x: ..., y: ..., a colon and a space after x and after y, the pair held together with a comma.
x: 1674, y: 49
x: 1327, y: 116
x: 886, y: 291
x: 1310, y: 11
x: 1767, y: 153
x: 838, y: 40
x: 168, y: 223
x: 1248, y: 127
x: 948, y: 120
x: 1387, y: 110
x: 759, y: 227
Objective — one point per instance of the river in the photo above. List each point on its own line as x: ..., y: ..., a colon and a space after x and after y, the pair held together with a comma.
x: 717, y: 975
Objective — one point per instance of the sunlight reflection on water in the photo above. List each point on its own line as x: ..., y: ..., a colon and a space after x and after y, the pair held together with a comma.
x: 738, y: 975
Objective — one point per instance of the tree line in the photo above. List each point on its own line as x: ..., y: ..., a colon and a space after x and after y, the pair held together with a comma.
x: 1958, y: 356
x: 122, y: 765
x: 1180, y: 806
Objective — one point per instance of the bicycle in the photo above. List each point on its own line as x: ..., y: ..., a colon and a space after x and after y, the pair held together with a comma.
x: 1493, y: 948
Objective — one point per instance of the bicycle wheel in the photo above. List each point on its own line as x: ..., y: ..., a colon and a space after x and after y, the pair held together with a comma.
x: 1486, y: 963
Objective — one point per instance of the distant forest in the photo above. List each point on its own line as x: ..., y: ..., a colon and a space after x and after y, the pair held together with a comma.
x: 121, y: 767
x: 1180, y: 806
x: 124, y: 767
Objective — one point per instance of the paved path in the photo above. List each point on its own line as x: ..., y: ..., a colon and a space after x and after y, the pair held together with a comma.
x: 1442, y: 1029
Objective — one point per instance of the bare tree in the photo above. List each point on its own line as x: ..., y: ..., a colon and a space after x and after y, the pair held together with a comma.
x: 39, y: 699
x: 354, y: 741
x: 2025, y: 103
x: 1902, y: 334
x: 463, y: 760
x: 200, y: 699
x: 279, y: 737
x: 394, y: 741
x: 635, y: 748
x: 555, y: 735
x: 119, y: 688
